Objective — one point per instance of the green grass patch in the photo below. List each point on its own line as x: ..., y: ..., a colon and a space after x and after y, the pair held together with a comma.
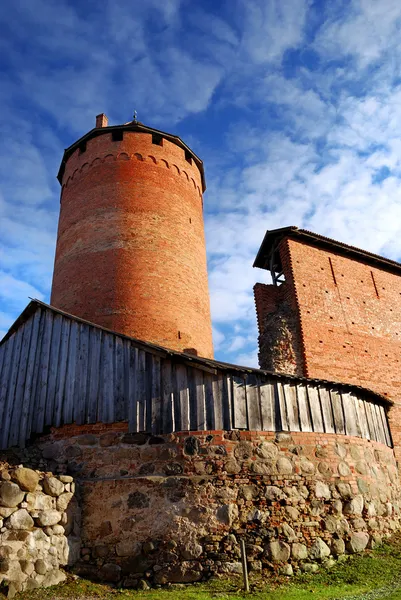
x: 369, y: 577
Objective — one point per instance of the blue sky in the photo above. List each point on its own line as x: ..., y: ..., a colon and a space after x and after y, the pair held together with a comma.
x: 294, y: 106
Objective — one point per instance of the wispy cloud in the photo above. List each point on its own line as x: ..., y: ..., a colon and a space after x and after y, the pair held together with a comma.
x: 294, y: 107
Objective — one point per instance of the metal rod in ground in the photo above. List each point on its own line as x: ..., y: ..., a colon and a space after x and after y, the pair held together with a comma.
x: 244, y: 565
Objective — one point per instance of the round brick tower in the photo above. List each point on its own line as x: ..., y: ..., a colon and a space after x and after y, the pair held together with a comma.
x: 130, y: 250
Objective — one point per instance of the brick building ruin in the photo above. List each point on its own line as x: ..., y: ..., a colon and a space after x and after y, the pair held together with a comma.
x: 332, y: 312
x: 129, y: 453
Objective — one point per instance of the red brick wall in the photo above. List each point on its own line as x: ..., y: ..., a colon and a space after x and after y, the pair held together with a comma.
x: 350, y: 319
x: 131, y: 251
x: 280, y: 340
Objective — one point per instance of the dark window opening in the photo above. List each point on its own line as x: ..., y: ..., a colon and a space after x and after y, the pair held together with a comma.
x: 117, y: 135
x: 188, y: 157
x: 157, y: 139
x: 82, y: 148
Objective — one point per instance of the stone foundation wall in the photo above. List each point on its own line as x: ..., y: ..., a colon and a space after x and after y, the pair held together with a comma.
x: 173, y: 508
x: 39, y: 528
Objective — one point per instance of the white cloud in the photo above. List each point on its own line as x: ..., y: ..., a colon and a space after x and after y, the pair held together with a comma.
x: 290, y: 143
x: 12, y: 290
x: 218, y: 338
x: 248, y: 359
x: 365, y: 31
x: 270, y: 28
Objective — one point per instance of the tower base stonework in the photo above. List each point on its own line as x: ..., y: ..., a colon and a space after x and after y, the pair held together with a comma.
x: 172, y: 508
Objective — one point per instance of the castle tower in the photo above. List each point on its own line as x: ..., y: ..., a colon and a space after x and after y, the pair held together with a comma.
x: 130, y: 250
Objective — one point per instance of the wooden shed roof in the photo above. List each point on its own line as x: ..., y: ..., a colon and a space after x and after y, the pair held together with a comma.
x: 205, y: 364
x: 273, y: 237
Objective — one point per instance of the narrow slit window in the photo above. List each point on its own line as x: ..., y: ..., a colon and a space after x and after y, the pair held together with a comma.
x: 188, y: 157
x: 332, y: 271
x: 82, y: 148
x: 374, y: 284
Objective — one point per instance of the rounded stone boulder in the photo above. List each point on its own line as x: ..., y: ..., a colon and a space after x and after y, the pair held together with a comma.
x: 63, y: 501
x: 283, y: 466
x: 319, y: 550
x: 358, y: 542
x: 191, y: 550
x: 299, y: 551
x: 40, y: 566
x: 266, y: 450
x: 10, y: 494
x: 47, y: 518
x: 20, y: 519
x: 307, y: 467
x: 111, y: 572
x: 322, y: 490
x: 344, y: 469
x: 39, y: 501
x: 243, y: 450
x: 273, y: 493
x: 227, y: 513
x: 27, y: 479
x: 337, y: 546
x: 53, y: 486
x: 355, y: 506
x: 278, y: 551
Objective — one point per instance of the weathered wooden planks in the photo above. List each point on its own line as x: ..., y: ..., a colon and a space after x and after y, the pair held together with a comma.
x: 240, y: 416
x: 327, y: 410
x: 253, y: 402
x: 15, y: 415
x: 28, y: 387
x: 168, y: 424
x: 304, y: 408
x: 267, y: 406
x: 7, y: 432
x: 291, y: 401
x: 338, y: 413
x: 315, y: 408
x: 56, y: 370
x: 131, y: 390
x: 95, y: 346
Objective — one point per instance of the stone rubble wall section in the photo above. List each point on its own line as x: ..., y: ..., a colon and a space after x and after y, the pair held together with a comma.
x: 39, y: 528
x: 159, y: 509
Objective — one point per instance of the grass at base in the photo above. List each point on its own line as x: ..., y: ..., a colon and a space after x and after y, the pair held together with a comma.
x: 369, y: 577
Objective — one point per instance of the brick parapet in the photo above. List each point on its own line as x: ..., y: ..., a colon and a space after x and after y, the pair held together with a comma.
x: 134, y: 146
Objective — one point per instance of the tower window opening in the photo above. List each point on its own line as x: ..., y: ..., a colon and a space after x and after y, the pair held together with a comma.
x: 157, y: 139
x: 276, y: 268
x: 188, y: 157
x: 117, y: 135
x: 82, y: 148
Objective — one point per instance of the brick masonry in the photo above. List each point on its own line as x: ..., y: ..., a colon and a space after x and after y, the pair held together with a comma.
x: 348, y: 321
x: 130, y: 249
x: 280, y: 346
